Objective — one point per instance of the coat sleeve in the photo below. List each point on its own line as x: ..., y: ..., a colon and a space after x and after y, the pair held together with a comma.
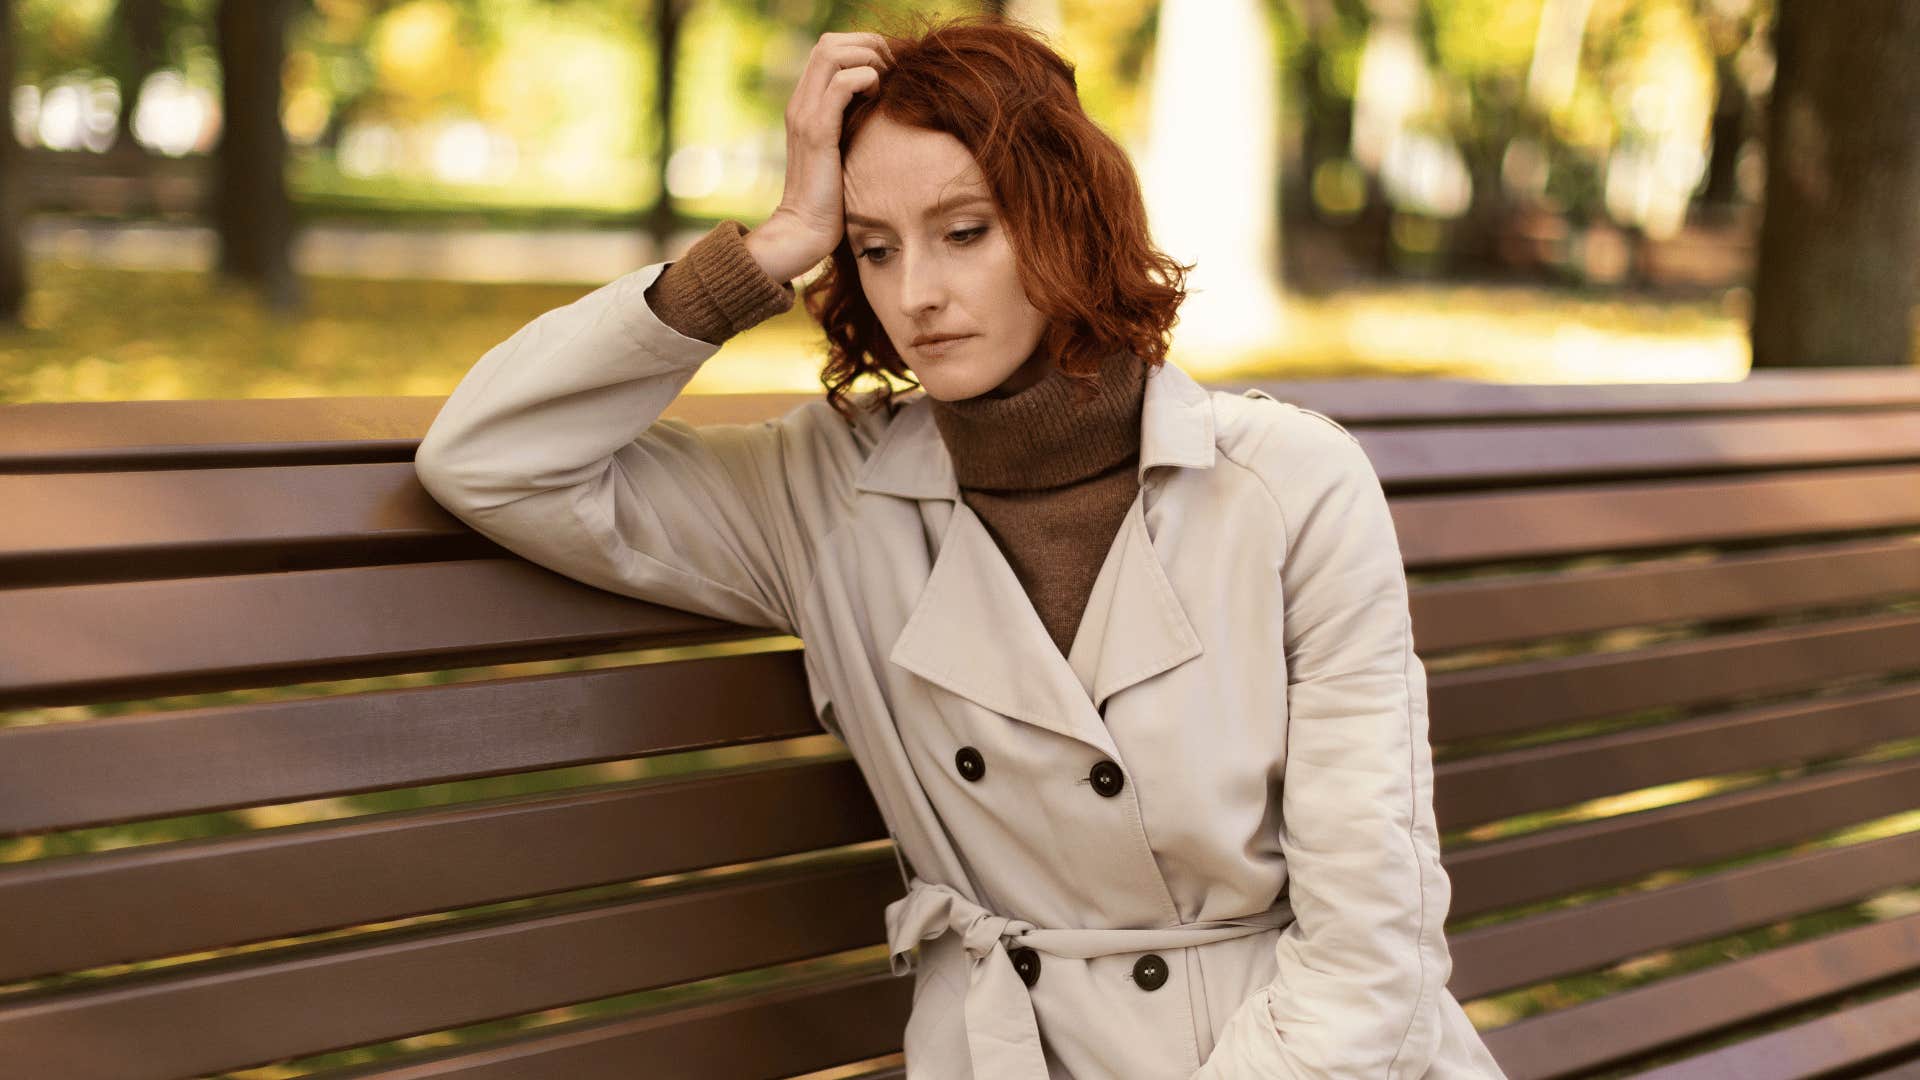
x: 1363, y: 968
x: 553, y: 447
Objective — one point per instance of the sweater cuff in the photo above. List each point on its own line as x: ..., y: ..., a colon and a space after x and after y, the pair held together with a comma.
x: 717, y: 289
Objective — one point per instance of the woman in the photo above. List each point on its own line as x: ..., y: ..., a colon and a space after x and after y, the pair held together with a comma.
x: 1126, y: 663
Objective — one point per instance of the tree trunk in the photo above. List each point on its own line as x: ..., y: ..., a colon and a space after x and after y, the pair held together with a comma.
x: 1838, y: 267
x: 13, y: 195
x: 251, y: 212
x: 1729, y: 126
x: 667, y: 17
x: 141, y: 28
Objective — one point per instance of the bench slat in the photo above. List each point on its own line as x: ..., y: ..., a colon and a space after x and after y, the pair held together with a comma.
x: 1486, y: 453
x: 193, y: 635
x: 188, y: 761
x: 1376, y: 400
x: 1540, y: 694
x: 1567, y: 941
x: 122, y: 640
x: 1458, y: 530
x: 364, y: 870
x: 107, y: 641
x: 1526, y: 608
x: 389, y: 985
x: 776, y: 1033
x: 1646, y: 1019
x: 1593, y: 854
x: 250, y: 433
x: 66, y: 435
x: 80, y: 527
x: 83, y: 527
x: 1818, y: 1047
x: 68, y: 914
x: 1493, y: 786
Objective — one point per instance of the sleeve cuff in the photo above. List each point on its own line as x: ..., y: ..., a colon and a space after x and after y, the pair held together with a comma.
x: 717, y: 289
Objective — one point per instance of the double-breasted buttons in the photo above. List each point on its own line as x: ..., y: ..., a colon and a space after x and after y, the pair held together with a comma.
x: 1107, y: 778
x: 1027, y: 963
x: 1150, y: 972
x: 971, y: 765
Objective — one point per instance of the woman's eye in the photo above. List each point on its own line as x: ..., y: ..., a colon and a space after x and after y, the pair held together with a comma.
x: 962, y: 236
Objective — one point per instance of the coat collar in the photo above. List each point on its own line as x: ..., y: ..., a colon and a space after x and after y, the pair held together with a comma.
x: 974, y: 630
x: 911, y: 460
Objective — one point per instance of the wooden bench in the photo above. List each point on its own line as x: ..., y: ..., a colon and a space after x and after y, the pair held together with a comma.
x: 1673, y: 634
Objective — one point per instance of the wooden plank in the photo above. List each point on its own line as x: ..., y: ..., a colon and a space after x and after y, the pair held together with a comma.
x: 121, y: 640
x: 189, y: 761
x: 1567, y: 941
x: 75, y: 913
x: 1854, y: 1036
x: 103, y: 526
x: 390, y: 985
x: 113, y: 526
x: 762, y: 1036
x: 88, y: 435
x: 1593, y: 854
x: 128, y: 640
x: 122, y: 434
x: 85, y: 436
x: 1540, y: 694
x: 1486, y: 788
x: 1522, y: 608
x: 1634, y: 1022
x: 1455, y: 530
x: 1400, y: 400
x: 1485, y: 454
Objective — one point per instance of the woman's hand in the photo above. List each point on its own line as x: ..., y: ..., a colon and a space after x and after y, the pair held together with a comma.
x: 807, y: 224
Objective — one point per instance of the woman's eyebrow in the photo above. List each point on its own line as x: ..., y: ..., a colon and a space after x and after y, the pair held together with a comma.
x: 954, y: 203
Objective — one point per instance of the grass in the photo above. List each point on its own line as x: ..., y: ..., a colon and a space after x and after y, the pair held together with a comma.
x: 95, y: 334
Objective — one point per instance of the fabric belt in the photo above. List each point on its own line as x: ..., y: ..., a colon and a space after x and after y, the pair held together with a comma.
x: 1002, y: 1035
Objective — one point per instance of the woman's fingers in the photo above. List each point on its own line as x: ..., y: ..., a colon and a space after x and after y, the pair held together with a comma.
x: 827, y: 62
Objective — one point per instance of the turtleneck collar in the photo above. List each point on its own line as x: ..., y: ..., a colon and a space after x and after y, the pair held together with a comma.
x: 1042, y: 436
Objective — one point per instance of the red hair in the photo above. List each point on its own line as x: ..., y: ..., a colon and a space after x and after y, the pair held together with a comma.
x: 1065, y: 190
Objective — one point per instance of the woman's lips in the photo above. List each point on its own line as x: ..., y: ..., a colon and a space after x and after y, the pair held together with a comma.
x: 941, y: 348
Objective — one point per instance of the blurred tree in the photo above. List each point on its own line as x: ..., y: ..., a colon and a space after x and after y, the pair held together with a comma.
x: 1836, y: 275
x: 135, y: 47
x: 249, y: 207
x: 13, y: 263
x: 668, y: 16
x: 1731, y: 27
x: 1481, y: 52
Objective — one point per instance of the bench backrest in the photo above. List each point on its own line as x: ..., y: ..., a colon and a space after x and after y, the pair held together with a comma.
x: 295, y: 768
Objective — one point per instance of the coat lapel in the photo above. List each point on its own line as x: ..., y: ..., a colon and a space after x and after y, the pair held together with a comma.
x: 973, y: 629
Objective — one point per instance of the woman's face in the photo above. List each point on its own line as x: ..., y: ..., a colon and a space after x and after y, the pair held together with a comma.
x: 934, y: 259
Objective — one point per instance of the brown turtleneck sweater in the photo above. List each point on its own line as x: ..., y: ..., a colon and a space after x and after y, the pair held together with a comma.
x: 1050, y: 477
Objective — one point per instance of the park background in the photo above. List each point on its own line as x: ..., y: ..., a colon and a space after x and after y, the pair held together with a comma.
x: 261, y: 192
x: 314, y: 198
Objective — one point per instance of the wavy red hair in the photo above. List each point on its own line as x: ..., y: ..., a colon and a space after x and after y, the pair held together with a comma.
x: 1065, y: 191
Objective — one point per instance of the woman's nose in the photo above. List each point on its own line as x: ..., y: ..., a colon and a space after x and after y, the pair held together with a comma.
x: 922, y: 282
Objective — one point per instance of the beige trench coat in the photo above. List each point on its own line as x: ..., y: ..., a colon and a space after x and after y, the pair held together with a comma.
x: 1241, y: 715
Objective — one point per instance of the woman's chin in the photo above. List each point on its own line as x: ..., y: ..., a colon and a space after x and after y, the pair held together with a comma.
x: 953, y: 382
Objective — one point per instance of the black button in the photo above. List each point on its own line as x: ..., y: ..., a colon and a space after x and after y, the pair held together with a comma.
x: 1027, y: 963
x: 1150, y: 971
x: 971, y: 765
x: 1107, y: 778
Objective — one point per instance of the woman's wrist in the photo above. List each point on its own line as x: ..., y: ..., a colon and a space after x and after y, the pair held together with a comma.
x: 781, y: 250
